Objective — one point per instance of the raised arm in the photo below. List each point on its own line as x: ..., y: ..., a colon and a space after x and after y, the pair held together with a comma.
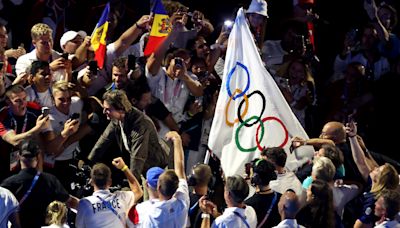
x: 130, y: 35
x: 357, y: 151
x: 179, y: 163
x: 133, y: 182
x: 155, y: 60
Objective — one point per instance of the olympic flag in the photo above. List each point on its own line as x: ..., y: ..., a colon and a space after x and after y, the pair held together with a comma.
x: 251, y: 112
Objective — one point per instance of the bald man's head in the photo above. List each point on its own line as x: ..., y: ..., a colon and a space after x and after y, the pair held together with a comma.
x: 334, y: 131
x: 288, y: 205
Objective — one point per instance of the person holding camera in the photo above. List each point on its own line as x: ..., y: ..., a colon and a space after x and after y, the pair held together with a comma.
x: 103, y: 208
x: 65, y: 131
x: 172, y: 84
x: 19, y: 121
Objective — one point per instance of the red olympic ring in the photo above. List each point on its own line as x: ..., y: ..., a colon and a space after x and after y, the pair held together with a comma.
x: 277, y: 120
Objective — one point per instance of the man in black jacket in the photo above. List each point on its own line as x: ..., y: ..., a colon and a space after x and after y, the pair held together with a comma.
x: 133, y: 131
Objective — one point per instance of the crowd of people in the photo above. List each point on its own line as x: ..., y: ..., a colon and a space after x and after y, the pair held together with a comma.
x: 140, y: 125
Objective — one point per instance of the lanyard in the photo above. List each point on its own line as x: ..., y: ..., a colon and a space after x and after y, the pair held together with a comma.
x: 176, y: 92
x: 37, y: 94
x: 34, y: 181
x: 15, y: 121
x: 269, y: 210
x: 242, y: 218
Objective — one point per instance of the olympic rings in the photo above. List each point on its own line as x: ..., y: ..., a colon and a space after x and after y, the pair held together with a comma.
x: 230, y: 124
x: 230, y: 77
x: 237, y: 134
x: 262, y: 131
x: 240, y: 118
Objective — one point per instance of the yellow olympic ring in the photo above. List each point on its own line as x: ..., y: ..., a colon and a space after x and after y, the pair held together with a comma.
x: 230, y: 124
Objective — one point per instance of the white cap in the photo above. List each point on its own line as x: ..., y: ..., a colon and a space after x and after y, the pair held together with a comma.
x: 258, y: 7
x: 70, y: 35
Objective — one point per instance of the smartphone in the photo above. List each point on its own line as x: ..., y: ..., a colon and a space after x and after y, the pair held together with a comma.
x: 93, y: 67
x: 75, y: 116
x: 45, y: 111
x: 64, y: 56
x: 178, y: 62
x: 131, y: 62
x: 228, y: 24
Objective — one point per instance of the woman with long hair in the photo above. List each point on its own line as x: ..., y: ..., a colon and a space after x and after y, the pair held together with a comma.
x: 320, y: 200
x: 378, y: 179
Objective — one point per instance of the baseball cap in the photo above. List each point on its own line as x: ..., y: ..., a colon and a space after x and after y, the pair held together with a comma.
x: 152, y: 176
x: 258, y: 7
x: 70, y: 35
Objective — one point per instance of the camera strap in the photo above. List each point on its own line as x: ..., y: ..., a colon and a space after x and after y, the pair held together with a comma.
x: 27, y: 193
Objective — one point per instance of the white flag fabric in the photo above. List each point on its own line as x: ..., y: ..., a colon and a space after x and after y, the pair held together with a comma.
x: 251, y: 112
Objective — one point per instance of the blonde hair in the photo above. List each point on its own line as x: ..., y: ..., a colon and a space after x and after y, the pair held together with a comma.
x: 60, y: 86
x: 388, y: 179
x: 56, y: 213
x: 39, y: 30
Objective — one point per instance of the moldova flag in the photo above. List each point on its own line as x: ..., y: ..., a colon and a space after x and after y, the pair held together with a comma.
x: 98, y: 40
x: 160, y: 28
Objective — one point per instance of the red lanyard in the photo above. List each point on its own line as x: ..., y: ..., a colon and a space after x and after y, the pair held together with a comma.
x: 177, y: 90
x: 15, y: 121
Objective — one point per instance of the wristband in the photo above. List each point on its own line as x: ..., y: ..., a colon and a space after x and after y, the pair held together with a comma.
x: 124, y: 168
x: 305, y: 142
x: 352, y: 136
x: 140, y: 27
x: 205, y: 215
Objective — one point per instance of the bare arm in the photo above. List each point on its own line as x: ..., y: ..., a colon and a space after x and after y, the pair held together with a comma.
x: 130, y: 35
x: 179, y: 163
x: 15, y: 139
x: 133, y: 182
x: 155, y: 60
x: 72, y: 202
x: 194, y: 86
x: 80, y: 53
x: 357, y: 151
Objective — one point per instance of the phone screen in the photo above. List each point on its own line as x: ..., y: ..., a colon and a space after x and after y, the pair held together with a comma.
x: 45, y: 111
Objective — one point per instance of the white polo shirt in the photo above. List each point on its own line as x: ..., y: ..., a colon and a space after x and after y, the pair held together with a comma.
x: 170, y: 213
x: 230, y: 219
x: 93, y: 213
x: 173, y: 93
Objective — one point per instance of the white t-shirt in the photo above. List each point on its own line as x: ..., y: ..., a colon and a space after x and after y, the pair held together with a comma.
x: 173, y: 93
x: 45, y: 99
x: 167, y: 213
x: 8, y: 205
x: 25, y: 61
x: 93, y: 213
x: 285, y: 181
x: 57, y: 120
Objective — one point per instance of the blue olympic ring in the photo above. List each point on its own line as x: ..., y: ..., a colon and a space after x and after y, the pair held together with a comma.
x: 230, y: 77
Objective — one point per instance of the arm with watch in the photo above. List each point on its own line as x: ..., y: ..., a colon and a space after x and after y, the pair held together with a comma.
x: 209, y: 209
x: 316, y: 142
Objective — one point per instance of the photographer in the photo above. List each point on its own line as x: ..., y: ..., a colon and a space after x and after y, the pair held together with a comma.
x: 62, y: 138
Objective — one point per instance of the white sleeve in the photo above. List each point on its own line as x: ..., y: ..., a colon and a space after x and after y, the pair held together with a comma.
x: 22, y: 64
x: 153, y: 80
x: 182, y: 193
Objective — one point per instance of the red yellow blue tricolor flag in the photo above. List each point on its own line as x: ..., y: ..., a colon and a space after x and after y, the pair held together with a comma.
x: 99, y: 35
x: 160, y: 28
